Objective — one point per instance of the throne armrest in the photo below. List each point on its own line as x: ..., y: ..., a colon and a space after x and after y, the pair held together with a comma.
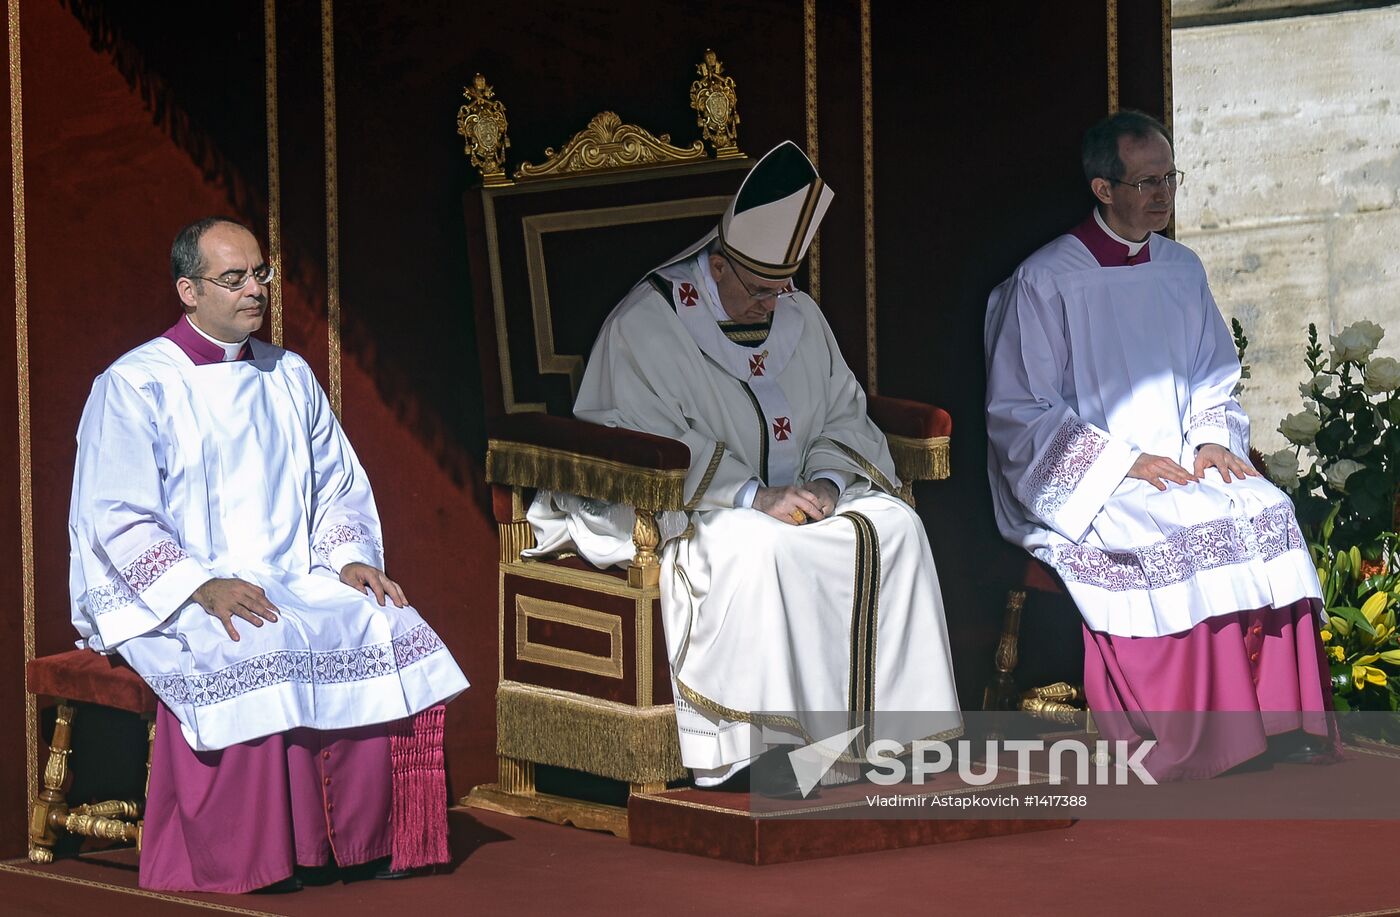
x: 918, y: 435
x: 591, y: 460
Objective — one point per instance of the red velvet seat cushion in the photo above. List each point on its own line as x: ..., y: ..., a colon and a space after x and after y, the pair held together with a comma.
x: 89, y: 677
x: 902, y: 417
x: 645, y: 450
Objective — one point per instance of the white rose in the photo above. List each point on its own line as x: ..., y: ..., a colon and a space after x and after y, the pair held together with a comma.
x: 1300, y: 428
x: 1338, y: 472
x: 1321, y: 384
x: 1282, y: 468
x: 1356, y: 342
x: 1382, y: 375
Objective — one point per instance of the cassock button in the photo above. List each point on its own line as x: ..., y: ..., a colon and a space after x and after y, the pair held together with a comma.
x: 325, y: 755
x: 330, y: 807
x: 1253, y: 657
x: 1258, y: 628
x: 327, y: 781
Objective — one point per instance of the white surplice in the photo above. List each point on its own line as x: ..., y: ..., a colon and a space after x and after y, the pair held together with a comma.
x: 764, y: 620
x: 238, y: 469
x: 1090, y: 366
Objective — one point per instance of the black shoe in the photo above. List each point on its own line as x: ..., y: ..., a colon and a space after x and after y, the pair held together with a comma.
x: 315, y: 876
x: 1300, y: 748
x: 286, y: 886
x: 773, y: 776
x: 382, y: 869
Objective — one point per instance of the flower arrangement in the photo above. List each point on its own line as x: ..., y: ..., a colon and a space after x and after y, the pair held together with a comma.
x: 1343, y: 472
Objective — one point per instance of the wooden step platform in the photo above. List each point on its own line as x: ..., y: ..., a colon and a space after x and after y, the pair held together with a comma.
x: 722, y: 825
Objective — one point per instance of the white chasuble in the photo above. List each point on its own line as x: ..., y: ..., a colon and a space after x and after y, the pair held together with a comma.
x: 762, y: 617
x: 238, y: 470
x: 1089, y: 367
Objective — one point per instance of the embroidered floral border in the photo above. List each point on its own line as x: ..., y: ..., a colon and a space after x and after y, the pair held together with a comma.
x: 303, y: 667
x: 1064, y: 464
x: 351, y: 533
x: 135, y: 578
x: 1207, y: 546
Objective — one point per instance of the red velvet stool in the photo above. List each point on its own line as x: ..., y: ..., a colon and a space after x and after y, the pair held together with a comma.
x: 84, y: 676
x: 1061, y: 701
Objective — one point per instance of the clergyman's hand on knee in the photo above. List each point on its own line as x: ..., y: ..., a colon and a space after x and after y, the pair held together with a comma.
x: 227, y: 599
x: 1212, y: 455
x: 793, y: 505
x: 1158, y: 469
x: 370, y: 579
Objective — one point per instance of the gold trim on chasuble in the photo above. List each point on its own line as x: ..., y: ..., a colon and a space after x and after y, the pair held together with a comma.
x: 865, y: 616
x: 705, y: 481
x: 876, y: 476
x: 763, y: 432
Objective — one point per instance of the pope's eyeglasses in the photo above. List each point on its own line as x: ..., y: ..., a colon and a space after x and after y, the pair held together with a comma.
x: 762, y: 294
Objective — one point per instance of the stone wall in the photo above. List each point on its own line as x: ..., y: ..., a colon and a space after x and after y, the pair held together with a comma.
x: 1289, y: 132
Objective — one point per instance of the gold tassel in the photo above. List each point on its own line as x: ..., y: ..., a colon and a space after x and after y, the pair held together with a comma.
x: 524, y: 465
x: 563, y: 729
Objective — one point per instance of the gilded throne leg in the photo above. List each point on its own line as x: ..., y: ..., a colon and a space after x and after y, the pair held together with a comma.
x: 1001, y: 693
x: 50, y: 808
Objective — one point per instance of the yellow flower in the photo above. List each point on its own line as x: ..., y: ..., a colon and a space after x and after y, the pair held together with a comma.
x: 1367, y: 674
x: 1338, y: 654
x: 1326, y: 635
x: 1373, y: 607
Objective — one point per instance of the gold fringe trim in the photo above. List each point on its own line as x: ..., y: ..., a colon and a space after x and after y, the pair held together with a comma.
x: 920, y: 459
x: 523, y: 465
x: 563, y: 729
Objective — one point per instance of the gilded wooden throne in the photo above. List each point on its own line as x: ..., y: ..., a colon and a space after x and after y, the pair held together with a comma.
x: 584, y: 678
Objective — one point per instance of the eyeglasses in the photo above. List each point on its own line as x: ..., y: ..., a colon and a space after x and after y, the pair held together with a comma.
x: 235, y: 281
x: 762, y: 294
x: 1152, y: 184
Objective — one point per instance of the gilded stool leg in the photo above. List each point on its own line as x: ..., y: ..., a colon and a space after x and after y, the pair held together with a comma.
x: 50, y: 810
x: 1001, y: 693
x: 651, y: 788
x: 517, y: 776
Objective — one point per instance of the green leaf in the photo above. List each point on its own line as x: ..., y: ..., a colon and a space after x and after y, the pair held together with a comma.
x: 1354, y: 617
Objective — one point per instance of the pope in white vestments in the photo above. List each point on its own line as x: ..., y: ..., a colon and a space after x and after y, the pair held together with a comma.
x: 225, y: 542
x: 766, y: 618
x: 1118, y: 457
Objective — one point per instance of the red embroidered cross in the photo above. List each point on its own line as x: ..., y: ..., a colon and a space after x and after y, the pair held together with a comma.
x: 689, y: 295
x: 782, y: 428
x: 756, y: 364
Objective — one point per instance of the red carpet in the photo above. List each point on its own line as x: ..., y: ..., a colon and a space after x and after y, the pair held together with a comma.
x: 519, y: 867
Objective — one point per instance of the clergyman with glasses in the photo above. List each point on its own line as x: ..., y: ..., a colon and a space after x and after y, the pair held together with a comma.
x: 1118, y: 456
x: 792, y: 487
x: 225, y: 542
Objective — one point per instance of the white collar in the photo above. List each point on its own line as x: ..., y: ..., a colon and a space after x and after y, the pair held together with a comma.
x: 231, y: 351
x: 702, y: 266
x: 1133, y: 247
